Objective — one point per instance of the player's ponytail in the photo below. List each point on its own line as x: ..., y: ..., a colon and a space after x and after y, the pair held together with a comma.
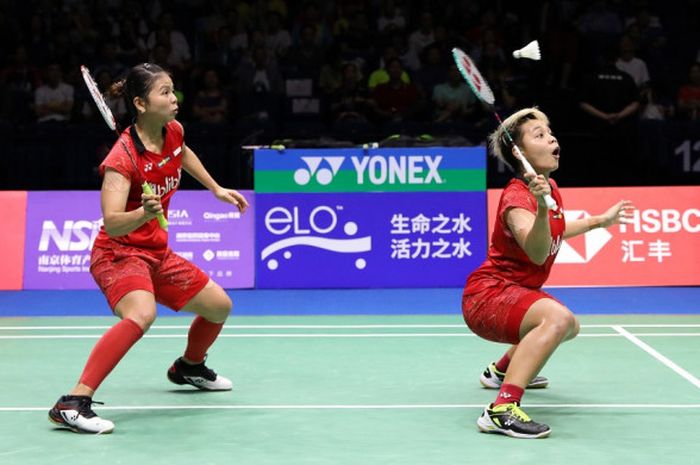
x: 117, y: 89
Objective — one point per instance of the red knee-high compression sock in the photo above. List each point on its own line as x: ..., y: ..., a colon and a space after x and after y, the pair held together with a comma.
x: 109, y: 350
x: 201, y: 336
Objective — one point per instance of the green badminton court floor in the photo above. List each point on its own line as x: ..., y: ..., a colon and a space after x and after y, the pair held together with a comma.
x: 354, y: 390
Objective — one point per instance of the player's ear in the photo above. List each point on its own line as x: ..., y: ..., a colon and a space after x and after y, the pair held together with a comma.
x: 140, y: 105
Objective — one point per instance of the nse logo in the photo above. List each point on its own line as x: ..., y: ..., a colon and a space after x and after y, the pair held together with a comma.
x: 74, y: 236
x: 377, y: 170
x: 311, y: 228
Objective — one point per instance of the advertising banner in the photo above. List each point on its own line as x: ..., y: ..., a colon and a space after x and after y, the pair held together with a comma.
x: 422, y: 169
x: 14, y: 207
x: 369, y: 239
x: 660, y: 248
x: 215, y: 236
x: 62, y: 226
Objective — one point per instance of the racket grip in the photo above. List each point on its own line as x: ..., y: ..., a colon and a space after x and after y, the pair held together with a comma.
x: 551, y: 203
x: 161, y: 218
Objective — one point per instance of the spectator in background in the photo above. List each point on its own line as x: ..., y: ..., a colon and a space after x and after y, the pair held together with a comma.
x: 306, y: 58
x: 311, y: 16
x: 391, y: 18
x: 131, y: 47
x: 210, y: 104
x: 423, y: 36
x: 53, y: 101
x: 108, y: 60
x: 433, y: 71
x: 277, y: 39
x: 609, y: 96
x: 397, y: 100
x: 453, y: 99
x: 352, y: 101
x: 610, y: 102
x: 655, y: 106
x: 179, y: 57
x: 630, y: 64
x: 18, y: 82
x: 689, y: 95
x: 380, y: 75
x: 259, y: 86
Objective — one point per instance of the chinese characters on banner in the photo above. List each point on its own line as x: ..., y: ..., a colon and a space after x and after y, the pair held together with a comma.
x: 61, y: 227
x: 660, y: 248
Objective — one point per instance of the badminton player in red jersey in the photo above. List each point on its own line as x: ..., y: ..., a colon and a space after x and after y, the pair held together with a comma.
x: 502, y: 299
x: 131, y: 261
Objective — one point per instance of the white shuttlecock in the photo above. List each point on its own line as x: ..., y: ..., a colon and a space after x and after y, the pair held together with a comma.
x: 530, y: 51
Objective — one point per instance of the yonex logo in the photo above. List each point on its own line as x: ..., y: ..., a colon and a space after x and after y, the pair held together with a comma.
x: 324, y: 175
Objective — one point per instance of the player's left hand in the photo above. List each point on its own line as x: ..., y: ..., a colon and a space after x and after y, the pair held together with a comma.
x: 233, y: 197
x: 620, y: 213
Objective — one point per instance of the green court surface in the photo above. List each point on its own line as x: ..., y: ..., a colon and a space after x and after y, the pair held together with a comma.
x: 354, y: 390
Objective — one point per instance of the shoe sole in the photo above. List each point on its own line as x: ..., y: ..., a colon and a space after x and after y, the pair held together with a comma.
x: 489, y: 384
x: 62, y: 424
x: 180, y: 381
x: 493, y: 429
x: 513, y: 434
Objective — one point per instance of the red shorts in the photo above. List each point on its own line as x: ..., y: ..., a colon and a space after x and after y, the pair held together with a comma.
x: 495, y: 310
x: 120, y: 269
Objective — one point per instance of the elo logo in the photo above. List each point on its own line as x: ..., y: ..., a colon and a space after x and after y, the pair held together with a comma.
x: 309, y: 229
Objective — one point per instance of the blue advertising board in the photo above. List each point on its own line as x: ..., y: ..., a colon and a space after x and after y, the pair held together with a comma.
x: 407, y: 239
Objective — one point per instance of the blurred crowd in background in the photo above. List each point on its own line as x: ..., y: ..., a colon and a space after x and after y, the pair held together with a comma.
x: 357, y: 71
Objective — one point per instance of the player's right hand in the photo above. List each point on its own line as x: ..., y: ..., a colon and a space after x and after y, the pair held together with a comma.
x: 151, y: 205
x: 539, y: 186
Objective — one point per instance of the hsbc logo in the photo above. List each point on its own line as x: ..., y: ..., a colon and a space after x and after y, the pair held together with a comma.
x: 585, y: 247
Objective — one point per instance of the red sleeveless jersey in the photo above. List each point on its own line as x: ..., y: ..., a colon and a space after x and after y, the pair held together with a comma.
x: 506, y: 260
x: 161, y: 170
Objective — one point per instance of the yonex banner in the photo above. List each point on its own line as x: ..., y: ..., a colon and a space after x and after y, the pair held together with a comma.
x: 660, y: 248
x: 369, y: 239
x: 61, y: 228
x: 426, y: 169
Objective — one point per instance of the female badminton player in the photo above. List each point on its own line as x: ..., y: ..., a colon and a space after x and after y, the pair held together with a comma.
x: 502, y: 299
x: 131, y: 261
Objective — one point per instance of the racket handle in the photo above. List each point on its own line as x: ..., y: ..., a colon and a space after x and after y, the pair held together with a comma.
x: 551, y: 203
x: 548, y: 200
x: 161, y: 218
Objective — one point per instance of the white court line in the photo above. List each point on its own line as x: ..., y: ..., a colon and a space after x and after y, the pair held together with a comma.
x: 318, y: 335
x: 657, y: 355
x: 386, y: 326
x: 361, y: 407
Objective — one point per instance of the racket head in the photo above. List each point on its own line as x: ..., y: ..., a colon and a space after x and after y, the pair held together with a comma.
x: 473, y: 77
x: 98, y: 98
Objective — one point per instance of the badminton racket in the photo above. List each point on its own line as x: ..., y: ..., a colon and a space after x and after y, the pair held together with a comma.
x: 483, y: 92
x: 112, y: 124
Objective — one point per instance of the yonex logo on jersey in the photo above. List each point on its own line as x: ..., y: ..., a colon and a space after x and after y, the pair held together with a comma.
x: 324, y: 175
x: 147, y: 167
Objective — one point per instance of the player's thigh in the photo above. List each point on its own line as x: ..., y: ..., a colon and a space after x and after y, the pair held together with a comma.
x: 139, y: 306
x: 550, y: 312
x: 212, y: 303
x: 177, y: 281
